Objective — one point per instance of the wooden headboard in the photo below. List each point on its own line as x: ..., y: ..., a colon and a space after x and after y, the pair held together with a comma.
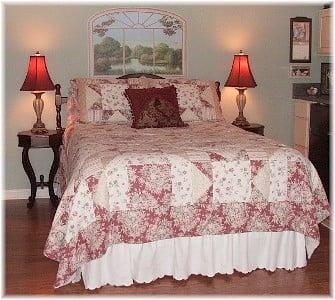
x: 138, y: 75
x: 59, y: 99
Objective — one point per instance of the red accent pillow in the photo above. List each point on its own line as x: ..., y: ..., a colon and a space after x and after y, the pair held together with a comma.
x: 154, y: 107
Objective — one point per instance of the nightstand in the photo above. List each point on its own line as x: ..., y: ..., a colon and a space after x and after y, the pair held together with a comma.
x: 28, y: 140
x: 255, y: 128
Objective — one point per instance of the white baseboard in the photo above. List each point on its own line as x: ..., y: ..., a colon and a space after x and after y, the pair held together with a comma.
x: 25, y: 193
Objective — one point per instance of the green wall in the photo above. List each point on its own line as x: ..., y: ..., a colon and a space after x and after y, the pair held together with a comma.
x: 214, y: 34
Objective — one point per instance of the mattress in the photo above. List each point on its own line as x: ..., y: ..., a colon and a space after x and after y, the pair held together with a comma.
x: 123, y: 186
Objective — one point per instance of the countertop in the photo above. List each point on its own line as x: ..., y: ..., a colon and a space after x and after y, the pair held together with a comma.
x: 322, y: 99
x: 299, y: 91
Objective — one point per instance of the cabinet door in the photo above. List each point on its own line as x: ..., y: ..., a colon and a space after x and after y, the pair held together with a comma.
x: 319, y: 142
x: 324, y: 32
x: 319, y: 123
x: 319, y: 156
x: 301, y: 131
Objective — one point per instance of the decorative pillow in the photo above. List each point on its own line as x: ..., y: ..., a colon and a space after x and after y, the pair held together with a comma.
x: 89, y: 99
x: 85, y: 102
x: 189, y: 102
x: 154, y: 107
x: 115, y: 105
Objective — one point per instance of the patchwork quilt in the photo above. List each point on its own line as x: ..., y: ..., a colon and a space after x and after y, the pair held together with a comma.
x: 124, y: 185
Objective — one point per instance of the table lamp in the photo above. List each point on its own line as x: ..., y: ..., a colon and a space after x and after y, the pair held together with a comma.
x: 38, y: 81
x: 241, y: 78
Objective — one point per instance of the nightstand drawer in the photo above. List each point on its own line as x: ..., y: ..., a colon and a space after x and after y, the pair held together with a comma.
x: 39, y: 141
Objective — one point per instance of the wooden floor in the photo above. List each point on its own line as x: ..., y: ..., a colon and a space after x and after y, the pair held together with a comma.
x: 29, y: 272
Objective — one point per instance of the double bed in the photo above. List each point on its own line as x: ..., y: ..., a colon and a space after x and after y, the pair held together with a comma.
x: 140, y: 204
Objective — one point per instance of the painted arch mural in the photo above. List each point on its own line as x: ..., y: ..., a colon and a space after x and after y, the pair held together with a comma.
x: 133, y: 40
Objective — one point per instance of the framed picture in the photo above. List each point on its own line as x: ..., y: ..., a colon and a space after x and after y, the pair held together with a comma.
x: 136, y: 40
x: 326, y: 78
x: 300, y: 71
x: 300, y: 40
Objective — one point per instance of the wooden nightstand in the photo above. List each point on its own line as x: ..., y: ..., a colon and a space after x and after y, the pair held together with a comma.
x: 255, y: 128
x: 53, y: 140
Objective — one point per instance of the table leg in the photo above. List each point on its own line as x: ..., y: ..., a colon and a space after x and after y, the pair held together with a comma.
x: 31, y: 175
x: 53, y: 197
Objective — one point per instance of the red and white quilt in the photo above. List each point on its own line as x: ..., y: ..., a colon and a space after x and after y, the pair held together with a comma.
x: 125, y: 185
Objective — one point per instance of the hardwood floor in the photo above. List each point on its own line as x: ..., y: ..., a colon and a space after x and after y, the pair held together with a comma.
x: 28, y: 272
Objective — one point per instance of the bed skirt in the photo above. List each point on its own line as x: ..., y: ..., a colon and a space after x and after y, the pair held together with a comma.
x: 124, y: 264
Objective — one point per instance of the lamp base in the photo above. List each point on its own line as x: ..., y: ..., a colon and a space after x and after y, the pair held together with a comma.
x: 38, y: 127
x: 241, y: 122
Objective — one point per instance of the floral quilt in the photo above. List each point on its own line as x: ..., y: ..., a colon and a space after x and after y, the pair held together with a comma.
x: 124, y: 185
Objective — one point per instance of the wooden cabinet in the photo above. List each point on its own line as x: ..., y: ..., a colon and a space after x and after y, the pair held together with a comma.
x: 325, y: 17
x: 301, y: 126
x: 311, y: 136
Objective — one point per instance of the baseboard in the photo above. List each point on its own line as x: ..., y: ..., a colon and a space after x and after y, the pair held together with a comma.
x: 25, y: 193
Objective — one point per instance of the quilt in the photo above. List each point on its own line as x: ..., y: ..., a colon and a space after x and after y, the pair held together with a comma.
x: 124, y: 185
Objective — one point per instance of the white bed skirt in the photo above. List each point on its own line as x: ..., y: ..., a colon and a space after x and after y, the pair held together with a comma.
x: 206, y: 255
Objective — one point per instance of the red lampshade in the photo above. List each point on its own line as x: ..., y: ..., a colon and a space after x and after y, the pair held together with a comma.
x: 240, y: 74
x: 37, y: 78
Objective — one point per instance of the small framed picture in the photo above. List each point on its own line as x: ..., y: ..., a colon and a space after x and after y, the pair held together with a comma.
x: 300, y: 40
x: 300, y: 71
x: 326, y: 78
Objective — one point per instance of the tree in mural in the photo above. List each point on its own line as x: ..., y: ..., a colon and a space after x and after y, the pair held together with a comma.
x: 171, y: 25
x: 101, y: 29
x: 175, y: 59
x: 171, y: 58
x: 109, y: 52
x: 106, y: 53
x: 139, y: 50
x: 128, y: 53
x: 161, y: 52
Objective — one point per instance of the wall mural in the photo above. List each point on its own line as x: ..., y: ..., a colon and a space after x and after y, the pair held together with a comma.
x: 134, y: 40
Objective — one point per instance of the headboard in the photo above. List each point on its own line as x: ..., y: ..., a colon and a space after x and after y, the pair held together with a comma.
x: 59, y: 99
x: 138, y: 75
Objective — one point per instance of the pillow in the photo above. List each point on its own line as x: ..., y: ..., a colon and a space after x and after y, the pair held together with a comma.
x: 189, y: 102
x: 154, y: 107
x: 88, y: 102
x: 114, y: 104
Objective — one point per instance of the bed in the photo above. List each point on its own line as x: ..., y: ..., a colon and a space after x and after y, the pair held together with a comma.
x: 141, y: 204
